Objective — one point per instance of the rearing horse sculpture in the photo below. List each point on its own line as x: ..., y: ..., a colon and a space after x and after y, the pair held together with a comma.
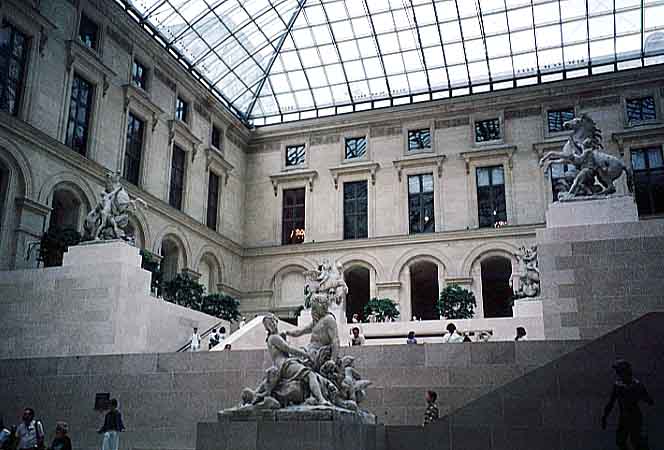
x: 596, y: 170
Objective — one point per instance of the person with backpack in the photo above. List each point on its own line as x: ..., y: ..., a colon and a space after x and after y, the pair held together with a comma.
x: 112, y: 427
x: 30, y: 432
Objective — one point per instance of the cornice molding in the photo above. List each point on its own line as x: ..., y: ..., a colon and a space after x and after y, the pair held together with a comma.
x: 32, y: 205
x: 420, y: 161
x: 77, y: 53
x: 505, y: 150
x: 294, y: 175
x: 215, y: 160
x: 550, y: 144
x: 459, y: 280
x: 369, y: 168
x: 516, y: 231
x: 637, y: 135
x: 132, y: 95
x: 180, y: 129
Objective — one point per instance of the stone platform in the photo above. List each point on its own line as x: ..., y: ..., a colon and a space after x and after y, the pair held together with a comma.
x: 587, y: 211
x: 293, y: 428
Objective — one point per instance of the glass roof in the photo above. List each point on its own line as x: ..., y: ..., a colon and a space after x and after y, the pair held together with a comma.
x: 272, y: 61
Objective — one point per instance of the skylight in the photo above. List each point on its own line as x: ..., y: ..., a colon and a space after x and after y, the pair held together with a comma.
x: 272, y: 61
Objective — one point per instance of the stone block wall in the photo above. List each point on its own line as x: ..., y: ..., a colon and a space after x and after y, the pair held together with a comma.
x: 557, y: 406
x: 164, y: 396
x: 596, y: 278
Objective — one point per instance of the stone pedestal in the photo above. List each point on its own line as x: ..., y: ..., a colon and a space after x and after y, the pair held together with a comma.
x: 600, y: 267
x: 586, y: 211
x: 93, y: 253
x: 294, y: 428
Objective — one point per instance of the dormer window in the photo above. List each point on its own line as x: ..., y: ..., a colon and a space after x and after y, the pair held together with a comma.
x: 88, y: 32
x: 181, y: 110
x: 139, y: 75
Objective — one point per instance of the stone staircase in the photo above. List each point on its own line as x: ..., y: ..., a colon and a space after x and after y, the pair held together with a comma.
x: 557, y: 406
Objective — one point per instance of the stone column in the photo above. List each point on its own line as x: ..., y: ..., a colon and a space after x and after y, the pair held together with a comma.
x: 405, y: 307
x: 31, y: 223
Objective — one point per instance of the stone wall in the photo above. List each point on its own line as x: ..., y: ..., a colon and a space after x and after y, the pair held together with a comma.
x: 598, y: 277
x: 557, y: 406
x: 164, y: 396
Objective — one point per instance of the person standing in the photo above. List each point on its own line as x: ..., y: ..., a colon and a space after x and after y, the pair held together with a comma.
x: 628, y: 392
x: 357, y: 338
x: 452, y: 336
x: 222, y: 334
x: 112, y: 427
x: 213, y: 339
x: 520, y: 334
x: 431, y: 413
x: 5, y: 435
x: 61, y: 440
x: 195, y: 344
x: 30, y: 432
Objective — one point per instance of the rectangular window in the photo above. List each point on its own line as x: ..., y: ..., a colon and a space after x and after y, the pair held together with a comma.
x: 562, y: 177
x: 419, y: 140
x: 139, y: 75
x: 355, y: 147
x: 177, y: 177
x: 215, y: 139
x: 181, y: 110
x: 491, y: 196
x: 557, y: 117
x: 293, y: 216
x: 80, y: 109
x: 88, y: 32
x: 13, y: 56
x: 295, y: 155
x: 213, y: 201
x: 640, y: 109
x: 134, y: 149
x: 355, y: 210
x: 648, y: 167
x: 420, y: 203
x: 487, y: 130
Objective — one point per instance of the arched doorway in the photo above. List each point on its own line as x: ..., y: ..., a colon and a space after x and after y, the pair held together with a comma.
x: 66, y: 210
x: 358, y: 281
x: 496, y: 290
x: 170, y: 262
x: 424, y: 290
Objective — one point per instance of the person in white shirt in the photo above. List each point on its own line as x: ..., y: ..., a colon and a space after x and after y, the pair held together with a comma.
x: 221, y: 334
x: 242, y: 322
x: 357, y: 338
x: 195, y: 341
x: 30, y: 432
x: 452, y: 336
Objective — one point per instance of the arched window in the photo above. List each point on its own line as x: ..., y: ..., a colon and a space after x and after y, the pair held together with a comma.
x: 496, y: 290
x: 66, y: 210
x: 170, y: 263
x: 424, y: 290
x: 358, y: 281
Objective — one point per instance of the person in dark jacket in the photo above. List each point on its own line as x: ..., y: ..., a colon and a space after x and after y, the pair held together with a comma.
x: 112, y: 427
x: 628, y: 392
x: 61, y: 440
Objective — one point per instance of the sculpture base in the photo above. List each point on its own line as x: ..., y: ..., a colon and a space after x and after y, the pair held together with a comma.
x: 293, y: 428
x: 592, y: 211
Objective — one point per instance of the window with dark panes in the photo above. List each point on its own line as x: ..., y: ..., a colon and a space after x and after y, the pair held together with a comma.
x: 640, y: 109
x: 293, y: 216
x: 80, y: 109
x: 557, y: 117
x: 648, y: 168
x: 88, y: 32
x: 181, y: 110
x: 139, y: 75
x: 420, y: 203
x: 295, y: 155
x: 491, y: 206
x: 213, y: 201
x: 419, y: 139
x: 355, y: 147
x: 178, y: 162
x: 134, y: 149
x: 215, y: 139
x: 355, y: 210
x: 487, y: 130
x: 562, y: 177
x: 13, y: 57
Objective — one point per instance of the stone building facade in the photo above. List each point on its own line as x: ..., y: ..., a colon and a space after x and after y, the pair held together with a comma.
x: 238, y: 246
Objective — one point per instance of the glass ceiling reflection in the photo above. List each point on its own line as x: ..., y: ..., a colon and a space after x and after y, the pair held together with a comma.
x: 271, y: 61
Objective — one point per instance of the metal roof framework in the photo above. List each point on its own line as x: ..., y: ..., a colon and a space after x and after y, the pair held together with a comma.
x: 273, y: 61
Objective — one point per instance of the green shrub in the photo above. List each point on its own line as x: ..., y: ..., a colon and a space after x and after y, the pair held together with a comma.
x: 456, y: 302
x: 184, y: 291
x: 382, y: 308
x: 54, y: 243
x: 222, y: 306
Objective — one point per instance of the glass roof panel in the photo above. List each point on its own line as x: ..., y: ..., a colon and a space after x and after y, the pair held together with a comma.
x: 270, y: 58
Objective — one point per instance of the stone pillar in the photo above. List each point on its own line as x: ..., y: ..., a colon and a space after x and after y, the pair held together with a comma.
x: 31, y: 223
x: 405, y: 307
